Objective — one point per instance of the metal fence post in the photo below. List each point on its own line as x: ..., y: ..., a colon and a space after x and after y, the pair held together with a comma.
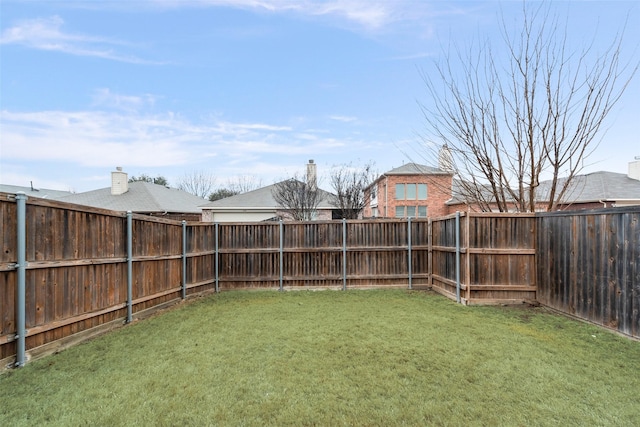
x: 129, y: 266
x: 217, y: 261
x: 184, y: 259
x: 21, y: 264
x: 458, y: 256
x: 344, y: 254
x: 409, y: 252
x: 281, y: 225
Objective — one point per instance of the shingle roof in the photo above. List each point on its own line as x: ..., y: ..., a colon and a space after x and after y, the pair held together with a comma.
x: 42, y: 193
x: 597, y: 186
x: 416, y: 169
x: 593, y: 187
x: 260, y: 198
x: 141, y: 197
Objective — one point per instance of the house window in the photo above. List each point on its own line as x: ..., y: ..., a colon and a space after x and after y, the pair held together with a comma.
x: 411, y: 211
x: 411, y: 191
x: 422, y: 192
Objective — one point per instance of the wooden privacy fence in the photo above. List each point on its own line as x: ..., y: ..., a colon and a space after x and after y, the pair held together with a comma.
x: 588, y: 266
x: 484, y: 258
x: 81, y: 270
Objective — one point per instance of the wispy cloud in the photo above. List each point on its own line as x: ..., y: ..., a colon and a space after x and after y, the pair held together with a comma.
x: 47, y: 34
x: 105, y: 98
x: 101, y: 138
x: 344, y: 119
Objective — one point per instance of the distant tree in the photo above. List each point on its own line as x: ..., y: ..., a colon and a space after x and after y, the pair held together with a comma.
x: 222, y: 193
x: 244, y: 183
x: 348, y: 183
x: 508, y: 114
x: 160, y: 180
x: 199, y: 183
x: 298, y: 197
x: 238, y: 185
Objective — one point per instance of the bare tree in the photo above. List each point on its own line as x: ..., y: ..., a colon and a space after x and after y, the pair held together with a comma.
x: 299, y: 198
x: 537, y: 112
x: 199, y: 183
x: 348, y: 183
x: 238, y: 185
x: 160, y: 180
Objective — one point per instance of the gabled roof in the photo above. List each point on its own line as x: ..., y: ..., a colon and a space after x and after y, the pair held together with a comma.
x: 262, y: 198
x: 594, y: 187
x: 609, y: 186
x: 42, y: 193
x: 416, y: 169
x: 141, y: 197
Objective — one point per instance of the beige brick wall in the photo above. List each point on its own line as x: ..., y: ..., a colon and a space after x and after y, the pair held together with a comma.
x: 438, y: 193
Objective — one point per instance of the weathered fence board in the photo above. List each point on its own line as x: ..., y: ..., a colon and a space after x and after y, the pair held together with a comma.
x: 589, y: 266
x: 496, y: 257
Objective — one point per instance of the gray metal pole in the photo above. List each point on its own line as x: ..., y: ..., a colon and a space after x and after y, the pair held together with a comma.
x: 129, y: 266
x: 409, y: 253
x: 344, y: 254
x: 184, y: 259
x: 21, y: 328
x: 217, y: 260
x: 281, y: 252
x: 458, y: 256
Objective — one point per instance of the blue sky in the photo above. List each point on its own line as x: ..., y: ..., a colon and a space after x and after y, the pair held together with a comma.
x: 248, y: 87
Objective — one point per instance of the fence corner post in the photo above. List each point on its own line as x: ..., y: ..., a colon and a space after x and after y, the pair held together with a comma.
x: 409, y: 253
x: 458, y: 257
x: 21, y: 264
x: 217, y: 259
x: 184, y: 259
x: 281, y: 251
x: 129, y: 267
x: 344, y: 254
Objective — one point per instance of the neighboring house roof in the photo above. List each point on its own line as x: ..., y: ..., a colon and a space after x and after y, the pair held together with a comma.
x: 597, y: 186
x: 262, y: 198
x: 42, y: 193
x: 416, y: 169
x: 141, y: 197
x: 594, y: 187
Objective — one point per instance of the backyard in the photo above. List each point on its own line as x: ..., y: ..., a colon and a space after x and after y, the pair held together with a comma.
x: 377, y: 357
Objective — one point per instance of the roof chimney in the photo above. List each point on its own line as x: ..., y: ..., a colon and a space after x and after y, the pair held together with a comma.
x: 119, y: 182
x: 445, y: 159
x: 312, y: 175
x: 634, y: 169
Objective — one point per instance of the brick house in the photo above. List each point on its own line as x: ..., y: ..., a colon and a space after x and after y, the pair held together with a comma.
x: 411, y: 190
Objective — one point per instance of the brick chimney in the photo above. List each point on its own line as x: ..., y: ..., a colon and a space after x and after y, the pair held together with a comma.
x: 119, y: 182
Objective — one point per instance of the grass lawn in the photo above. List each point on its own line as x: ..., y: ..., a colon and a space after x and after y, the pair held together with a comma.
x: 374, y: 358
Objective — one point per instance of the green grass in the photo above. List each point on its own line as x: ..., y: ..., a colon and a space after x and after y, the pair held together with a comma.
x: 374, y: 358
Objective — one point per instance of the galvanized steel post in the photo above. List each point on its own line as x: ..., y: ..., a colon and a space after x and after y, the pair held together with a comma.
x: 281, y: 252
x: 129, y: 266
x: 409, y: 252
x: 458, y: 256
x: 21, y: 264
x: 184, y: 259
x: 344, y: 254
x: 217, y: 256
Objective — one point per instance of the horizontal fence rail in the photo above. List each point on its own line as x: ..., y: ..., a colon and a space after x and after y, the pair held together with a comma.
x: 86, y: 270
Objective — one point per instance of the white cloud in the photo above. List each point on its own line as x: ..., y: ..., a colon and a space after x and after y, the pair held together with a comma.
x: 344, y: 119
x: 104, y: 139
x: 47, y: 34
x: 106, y: 98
